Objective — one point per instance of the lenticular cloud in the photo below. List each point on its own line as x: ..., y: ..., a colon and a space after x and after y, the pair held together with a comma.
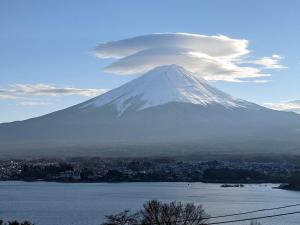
x: 211, y: 57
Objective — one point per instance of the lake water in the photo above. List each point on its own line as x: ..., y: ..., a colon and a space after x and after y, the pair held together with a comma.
x: 46, y: 203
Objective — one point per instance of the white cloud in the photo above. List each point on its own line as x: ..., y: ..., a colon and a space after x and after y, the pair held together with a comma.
x: 261, y: 81
x: 220, y: 46
x: 8, y: 96
x: 33, y: 94
x: 17, y: 91
x: 272, y: 62
x: 293, y: 106
x: 33, y: 103
x: 210, y: 68
x: 212, y: 57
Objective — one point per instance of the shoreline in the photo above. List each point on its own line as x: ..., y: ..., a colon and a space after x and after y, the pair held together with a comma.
x: 289, y: 187
x: 115, y: 182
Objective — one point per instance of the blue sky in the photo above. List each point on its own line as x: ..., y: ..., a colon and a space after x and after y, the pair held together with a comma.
x: 51, y: 43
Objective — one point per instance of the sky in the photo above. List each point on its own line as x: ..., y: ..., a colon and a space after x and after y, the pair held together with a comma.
x: 47, y: 58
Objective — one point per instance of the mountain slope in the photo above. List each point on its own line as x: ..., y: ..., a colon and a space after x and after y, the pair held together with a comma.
x: 168, y: 110
x: 163, y: 85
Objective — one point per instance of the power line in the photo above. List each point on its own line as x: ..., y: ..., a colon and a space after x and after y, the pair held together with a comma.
x: 243, y: 213
x: 254, y: 211
x: 255, y: 218
x: 233, y: 221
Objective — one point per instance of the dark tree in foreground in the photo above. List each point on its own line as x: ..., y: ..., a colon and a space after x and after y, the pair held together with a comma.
x: 255, y: 223
x: 156, y: 212
x: 122, y: 218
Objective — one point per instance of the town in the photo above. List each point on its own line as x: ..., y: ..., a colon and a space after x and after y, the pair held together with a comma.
x: 146, y: 170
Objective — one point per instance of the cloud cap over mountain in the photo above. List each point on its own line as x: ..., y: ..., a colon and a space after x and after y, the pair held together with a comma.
x: 212, y: 57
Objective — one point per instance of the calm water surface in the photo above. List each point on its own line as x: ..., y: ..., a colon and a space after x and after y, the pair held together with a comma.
x: 86, y: 204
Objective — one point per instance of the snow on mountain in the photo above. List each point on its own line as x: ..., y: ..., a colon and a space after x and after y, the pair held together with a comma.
x: 162, y: 85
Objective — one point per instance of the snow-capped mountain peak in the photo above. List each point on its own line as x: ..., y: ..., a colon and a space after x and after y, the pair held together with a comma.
x: 163, y: 85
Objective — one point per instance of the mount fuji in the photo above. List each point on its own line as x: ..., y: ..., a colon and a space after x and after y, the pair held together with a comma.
x: 167, y: 111
x: 162, y: 85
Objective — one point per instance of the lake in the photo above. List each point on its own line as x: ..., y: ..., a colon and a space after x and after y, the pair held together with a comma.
x: 45, y: 203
